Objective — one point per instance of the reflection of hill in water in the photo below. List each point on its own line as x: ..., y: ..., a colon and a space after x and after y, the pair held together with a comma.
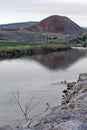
x: 60, y: 60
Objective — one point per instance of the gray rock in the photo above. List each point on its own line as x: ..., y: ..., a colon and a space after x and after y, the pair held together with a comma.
x: 69, y: 125
x: 34, y: 123
x: 27, y: 129
x: 70, y: 85
x: 26, y: 125
x: 48, y: 126
x: 6, y: 127
x: 83, y: 126
x: 82, y: 77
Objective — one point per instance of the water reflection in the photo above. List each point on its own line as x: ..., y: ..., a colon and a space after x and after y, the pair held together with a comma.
x: 60, y: 60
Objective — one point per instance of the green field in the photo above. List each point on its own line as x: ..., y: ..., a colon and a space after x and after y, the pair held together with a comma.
x: 15, y: 44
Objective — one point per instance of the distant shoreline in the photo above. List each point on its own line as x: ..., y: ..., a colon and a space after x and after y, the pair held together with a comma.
x: 19, y: 51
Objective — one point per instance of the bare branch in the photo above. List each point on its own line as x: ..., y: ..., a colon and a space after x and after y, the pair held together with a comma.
x: 27, y: 107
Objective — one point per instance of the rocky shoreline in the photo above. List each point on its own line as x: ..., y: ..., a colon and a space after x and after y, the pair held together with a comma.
x: 14, y: 52
x: 70, y: 115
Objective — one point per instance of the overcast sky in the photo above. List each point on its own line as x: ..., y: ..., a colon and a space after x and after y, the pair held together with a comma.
x: 35, y: 10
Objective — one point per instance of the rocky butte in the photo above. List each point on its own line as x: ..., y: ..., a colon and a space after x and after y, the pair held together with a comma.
x: 70, y: 115
x: 56, y: 24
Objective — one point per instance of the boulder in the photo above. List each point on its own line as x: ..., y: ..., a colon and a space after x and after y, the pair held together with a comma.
x: 34, y: 123
x: 69, y: 125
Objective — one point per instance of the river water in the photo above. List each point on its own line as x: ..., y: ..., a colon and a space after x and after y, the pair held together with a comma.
x: 38, y: 77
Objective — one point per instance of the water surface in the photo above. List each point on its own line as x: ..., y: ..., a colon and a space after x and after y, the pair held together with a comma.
x: 39, y: 77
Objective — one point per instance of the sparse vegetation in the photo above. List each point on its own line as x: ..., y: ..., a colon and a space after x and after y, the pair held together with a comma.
x: 25, y: 106
x: 21, y: 50
x: 80, y: 40
x: 10, y: 49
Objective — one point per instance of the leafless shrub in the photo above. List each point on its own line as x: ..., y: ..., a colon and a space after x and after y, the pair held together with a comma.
x: 25, y: 107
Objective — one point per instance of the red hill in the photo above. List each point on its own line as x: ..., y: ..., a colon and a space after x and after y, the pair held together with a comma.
x: 56, y: 24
